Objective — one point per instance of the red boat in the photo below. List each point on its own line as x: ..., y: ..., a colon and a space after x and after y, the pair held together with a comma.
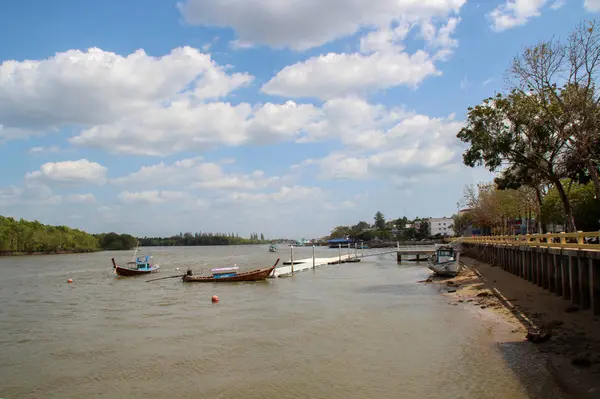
x: 141, y: 265
x: 228, y: 274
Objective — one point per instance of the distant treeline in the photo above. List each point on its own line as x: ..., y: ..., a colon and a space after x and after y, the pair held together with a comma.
x: 25, y: 237
x: 193, y: 239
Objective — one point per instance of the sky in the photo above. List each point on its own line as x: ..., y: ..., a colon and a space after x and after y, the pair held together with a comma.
x: 282, y: 117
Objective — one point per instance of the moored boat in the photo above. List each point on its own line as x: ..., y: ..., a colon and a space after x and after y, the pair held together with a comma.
x: 445, y: 262
x: 272, y: 248
x: 137, y: 266
x: 230, y: 274
x: 141, y: 265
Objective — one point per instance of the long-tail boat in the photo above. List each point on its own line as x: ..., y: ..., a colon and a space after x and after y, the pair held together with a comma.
x: 137, y: 266
x: 229, y: 274
x: 141, y: 265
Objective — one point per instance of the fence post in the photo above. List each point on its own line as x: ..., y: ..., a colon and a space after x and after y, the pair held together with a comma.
x: 340, y: 253
x: 313, y: 256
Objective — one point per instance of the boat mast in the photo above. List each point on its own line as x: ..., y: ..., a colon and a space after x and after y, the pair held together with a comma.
x: 135, y: 252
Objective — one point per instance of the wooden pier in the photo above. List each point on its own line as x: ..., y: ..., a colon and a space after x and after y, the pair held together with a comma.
x: 563, y: 263
x: 421, y: 251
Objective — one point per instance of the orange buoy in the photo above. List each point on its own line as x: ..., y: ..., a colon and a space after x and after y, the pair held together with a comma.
x: 215, y: 299
x: 69, y: 280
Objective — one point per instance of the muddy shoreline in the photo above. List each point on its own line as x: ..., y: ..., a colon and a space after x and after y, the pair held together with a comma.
x: 567, y: 337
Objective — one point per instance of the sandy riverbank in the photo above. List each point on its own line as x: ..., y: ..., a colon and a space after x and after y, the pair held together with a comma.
x: 573, y: 347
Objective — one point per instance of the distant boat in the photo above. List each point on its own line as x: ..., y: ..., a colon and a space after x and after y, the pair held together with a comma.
x: 141, y: 265
x: 445, y: 262
x: 272, y: 248
x: 230, y: 274
x: 137, y: 266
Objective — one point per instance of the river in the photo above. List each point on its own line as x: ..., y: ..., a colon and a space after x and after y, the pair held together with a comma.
x: 358, y: 330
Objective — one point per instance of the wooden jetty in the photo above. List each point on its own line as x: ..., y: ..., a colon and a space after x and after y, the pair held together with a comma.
x: 566, y: 264
x: 302, y: 265
x: 421, y: 252
x: 294, y: 266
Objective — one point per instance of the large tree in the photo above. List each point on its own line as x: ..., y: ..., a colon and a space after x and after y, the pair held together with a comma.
x: 514, y: 131
x: 562, y: 76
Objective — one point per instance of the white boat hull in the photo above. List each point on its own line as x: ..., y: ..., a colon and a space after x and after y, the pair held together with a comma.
x: 450, y: 268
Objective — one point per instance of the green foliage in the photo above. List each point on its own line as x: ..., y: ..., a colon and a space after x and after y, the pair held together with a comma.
x: 462, y: 221
x: 196, y: 239
x: 33, y: 237
x: 379, y: 221
x: 586, y: 208
x: 340, y: 232
x: 117, y: 242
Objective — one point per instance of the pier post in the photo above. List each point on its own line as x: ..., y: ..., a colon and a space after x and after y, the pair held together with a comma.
x: 398, y: 257
x: 584, y: 283
x: 313, y: 256
x: 292, y: 257
x: 594, y: 276
x: 362, y: 249
x: 340, y: 252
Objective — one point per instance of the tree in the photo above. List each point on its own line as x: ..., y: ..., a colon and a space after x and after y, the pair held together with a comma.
x: 514, y: 130
x: 562, y: 76
x: 423, y: 231
x: 586, y: 208
x: 379, y: 221
x: 262, y: 237
x: 462, y: 221
x: 340, y: 232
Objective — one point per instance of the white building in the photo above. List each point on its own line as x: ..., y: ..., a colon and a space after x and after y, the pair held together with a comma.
x: 441, y: 226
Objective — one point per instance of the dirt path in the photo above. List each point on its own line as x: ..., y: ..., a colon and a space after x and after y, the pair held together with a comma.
x: 569, y: 337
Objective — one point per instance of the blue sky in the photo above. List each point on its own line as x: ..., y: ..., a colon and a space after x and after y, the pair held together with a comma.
x: 287, y: 118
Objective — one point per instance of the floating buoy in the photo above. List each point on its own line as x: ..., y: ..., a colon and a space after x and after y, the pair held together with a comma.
x: 69, y: 280
x: 215, y: 299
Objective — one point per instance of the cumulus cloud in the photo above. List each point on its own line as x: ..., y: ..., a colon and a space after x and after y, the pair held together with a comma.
x: 401, y: 144
x: 591, y: 5
x: 194, y: 174
x: 81, y: 171
x: 182, y: 126
x: 515, y: 13
x: 152, y: 196
x: 335, y: 75
x: 29, y: 193
x: 305, y: 24
x: 81, y: 198
x: 80, y: 88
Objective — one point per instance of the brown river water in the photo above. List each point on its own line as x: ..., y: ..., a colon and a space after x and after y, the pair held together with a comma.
x: 357, y: 330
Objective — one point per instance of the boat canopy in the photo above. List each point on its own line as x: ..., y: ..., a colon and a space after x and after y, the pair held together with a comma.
x: 224, y: 269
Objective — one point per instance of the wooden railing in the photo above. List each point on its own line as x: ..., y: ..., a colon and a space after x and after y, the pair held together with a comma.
x: 578, y: 240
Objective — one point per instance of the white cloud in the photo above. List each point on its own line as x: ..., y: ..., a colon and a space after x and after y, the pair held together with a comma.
x: 81, y: 171
x: 79, y: 88
x: 30, y: 193
x: 284, y: 195
x: 81, y: 198
x: 194, y: 174
x: 335, y: 75
x: 560, y: 3
x: 301, y: 25
x: 152, y: 196
x: 404, y: 145
x: 44, y: 150
x: 182, y: 126
x: 592, y: 5
x: 515, y: 13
